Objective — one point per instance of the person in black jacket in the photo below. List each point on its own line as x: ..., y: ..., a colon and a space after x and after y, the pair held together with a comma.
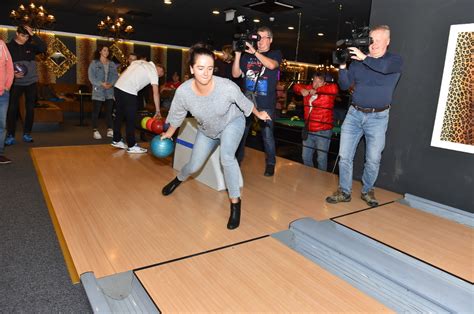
x: 23, y: 48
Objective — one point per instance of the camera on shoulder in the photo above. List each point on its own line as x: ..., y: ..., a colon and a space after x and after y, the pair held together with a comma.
x: 238, y: 44
x: 360, y: 39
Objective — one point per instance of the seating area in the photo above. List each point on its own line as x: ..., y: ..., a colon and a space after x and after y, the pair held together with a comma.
x: 65, y: 96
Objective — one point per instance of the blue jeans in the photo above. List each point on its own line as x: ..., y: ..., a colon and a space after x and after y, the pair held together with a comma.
x: 267, y: 137
x: 319, y: 141
x: 203, y: 147
x: 3, y: 119
x: 356, y: 124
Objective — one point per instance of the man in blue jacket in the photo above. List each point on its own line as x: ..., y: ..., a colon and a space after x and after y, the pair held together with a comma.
x: 374, y: 77
x: 23, y: 48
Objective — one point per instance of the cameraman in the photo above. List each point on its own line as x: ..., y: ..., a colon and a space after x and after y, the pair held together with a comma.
x: 374, y: 77
x: 259, y: 69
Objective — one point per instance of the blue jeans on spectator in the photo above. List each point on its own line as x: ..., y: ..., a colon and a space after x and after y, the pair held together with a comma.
x: 3, y: 119
x: 319, y: 141
x: 356, y: 124
x: 229, y: 140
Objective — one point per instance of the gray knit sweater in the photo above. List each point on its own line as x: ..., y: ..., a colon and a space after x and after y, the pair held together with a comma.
x: 213, y: 112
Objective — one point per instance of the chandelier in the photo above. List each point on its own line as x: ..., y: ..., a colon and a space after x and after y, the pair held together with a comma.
x: 35, y: 16
x: 115, y: 28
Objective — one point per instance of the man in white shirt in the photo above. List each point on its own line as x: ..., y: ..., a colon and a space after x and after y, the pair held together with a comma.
x: 139, y: 74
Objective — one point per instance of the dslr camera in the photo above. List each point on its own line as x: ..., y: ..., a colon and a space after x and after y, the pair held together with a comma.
x: 360, y: 39
x: 238, y: 44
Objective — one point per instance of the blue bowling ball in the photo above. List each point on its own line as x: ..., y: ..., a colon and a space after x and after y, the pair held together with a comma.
x: 161, y: 148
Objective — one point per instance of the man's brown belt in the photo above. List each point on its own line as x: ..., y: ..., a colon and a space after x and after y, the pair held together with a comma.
x: 370, y: 110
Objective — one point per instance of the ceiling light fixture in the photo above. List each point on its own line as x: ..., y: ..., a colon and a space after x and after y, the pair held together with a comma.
x: 115, y: 28
x: 256, y: 20
x: 291, y: 27
x: 320, y: 34
x: 35, y: 16
x: 215, y: 12
x: 167, y: 2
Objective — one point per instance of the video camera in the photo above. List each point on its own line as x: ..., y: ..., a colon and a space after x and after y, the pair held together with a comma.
x: 360, y: 39
x: 238, y: 44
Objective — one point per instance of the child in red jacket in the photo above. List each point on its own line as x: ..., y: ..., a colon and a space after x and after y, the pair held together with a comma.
x: 319, y: 100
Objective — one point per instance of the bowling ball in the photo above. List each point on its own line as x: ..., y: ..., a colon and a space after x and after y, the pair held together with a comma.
x: 161, y: 148
x: 20, y: 68
x: 157, y: 126
x: 143, y: 122
x: 165, y: 127
x: 148, y: 124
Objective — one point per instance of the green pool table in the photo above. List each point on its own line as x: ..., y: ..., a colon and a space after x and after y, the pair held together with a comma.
x: 300, y: 124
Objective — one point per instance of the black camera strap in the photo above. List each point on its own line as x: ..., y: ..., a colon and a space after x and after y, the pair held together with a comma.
x: 258, y: 77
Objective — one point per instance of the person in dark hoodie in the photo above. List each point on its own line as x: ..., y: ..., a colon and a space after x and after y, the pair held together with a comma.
x: 23, y: 48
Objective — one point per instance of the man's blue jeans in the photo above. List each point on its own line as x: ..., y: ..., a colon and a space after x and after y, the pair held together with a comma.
x: 3, y: 119
x: 319, y: 141
x: 266, y: 128
x: 357, y: 124
x: 203, y: 147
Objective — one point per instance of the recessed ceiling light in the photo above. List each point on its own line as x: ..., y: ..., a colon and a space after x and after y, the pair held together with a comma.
x: 291, y: 27
x: 320, y: 34
x: 216, y: 12
x: 167, y: 1
x: 256, y: 20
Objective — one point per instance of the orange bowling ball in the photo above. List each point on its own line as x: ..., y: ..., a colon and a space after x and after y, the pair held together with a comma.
x: 148, y: 123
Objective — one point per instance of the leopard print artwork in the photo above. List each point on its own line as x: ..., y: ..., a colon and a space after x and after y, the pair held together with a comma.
x: 458, y: 122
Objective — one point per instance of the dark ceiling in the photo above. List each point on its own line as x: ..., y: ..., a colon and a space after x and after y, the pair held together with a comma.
x: 185, y: 22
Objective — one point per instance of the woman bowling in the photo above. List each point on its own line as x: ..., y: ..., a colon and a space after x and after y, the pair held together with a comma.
x: 219, y: 108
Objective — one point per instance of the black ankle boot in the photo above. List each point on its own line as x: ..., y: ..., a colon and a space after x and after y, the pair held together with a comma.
x: 170, y: 187
x: 234, y: 218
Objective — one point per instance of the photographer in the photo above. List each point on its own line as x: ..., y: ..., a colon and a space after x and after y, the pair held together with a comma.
x: 374, y: 77
x: 259, y: 69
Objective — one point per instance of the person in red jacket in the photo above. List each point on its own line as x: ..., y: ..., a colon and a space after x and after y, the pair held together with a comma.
x: 318, y: 115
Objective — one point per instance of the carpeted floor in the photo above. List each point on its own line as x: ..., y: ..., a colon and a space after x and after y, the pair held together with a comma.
x: 33, y: 275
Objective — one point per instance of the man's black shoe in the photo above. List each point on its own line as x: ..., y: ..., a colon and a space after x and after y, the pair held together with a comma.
x: 170, y: 187
x: 269, y: 170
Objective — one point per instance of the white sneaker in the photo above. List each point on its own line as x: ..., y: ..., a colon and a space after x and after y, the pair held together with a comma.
x: 136, y: 150
x: 120, y: 145
x: 97, y: 135
x: 110, y: 133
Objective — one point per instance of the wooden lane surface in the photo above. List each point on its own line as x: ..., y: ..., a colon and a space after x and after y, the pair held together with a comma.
x: 298, y: 188
x: 114, y: 218
x: 258, y: 276
x: 440, y: 242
